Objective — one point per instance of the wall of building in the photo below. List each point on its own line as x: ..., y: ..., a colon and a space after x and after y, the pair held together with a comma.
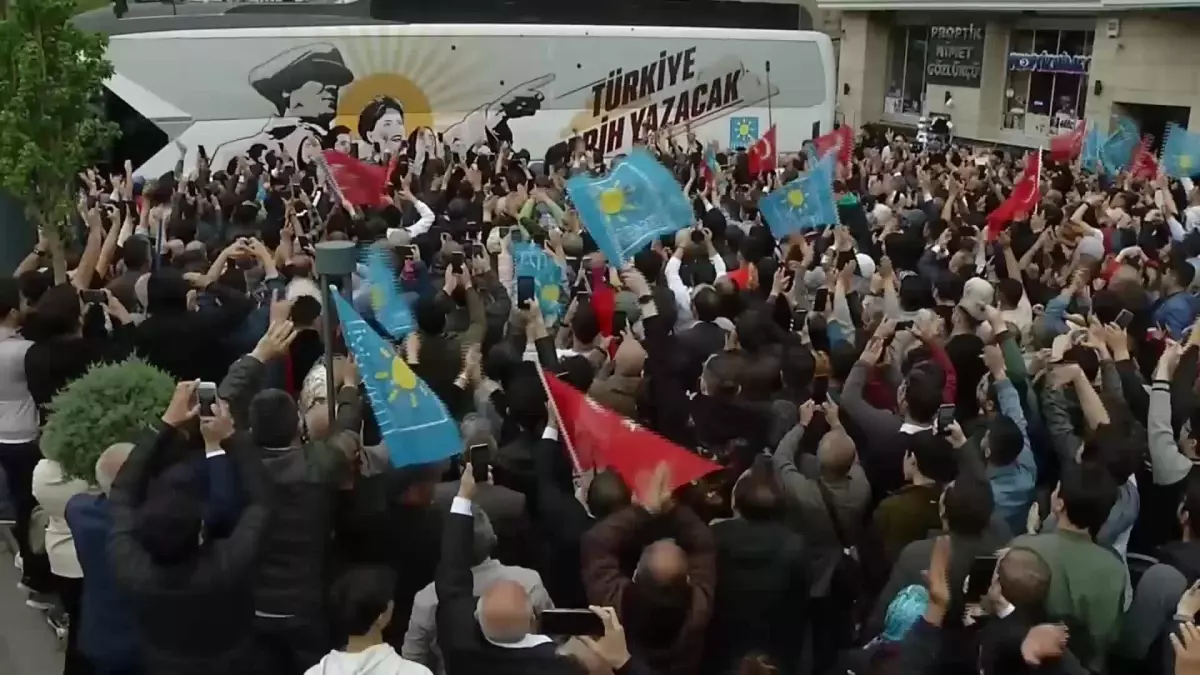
x: 1153, y: 61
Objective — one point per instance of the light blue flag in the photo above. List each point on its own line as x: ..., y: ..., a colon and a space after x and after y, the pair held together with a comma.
x: 1181, y: 152
x: 531, y: 260
x: 1089, y: 159
x: 638, y: 201
x: 413, y: 421
x: 1118, y: 148
x: 390, y: 309
x: 804, y: 203
x: 743, y: 132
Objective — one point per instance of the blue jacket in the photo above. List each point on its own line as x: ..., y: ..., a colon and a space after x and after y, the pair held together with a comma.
x: 1012, y: 485
x: 107, y: 635
x: 1176, y: 313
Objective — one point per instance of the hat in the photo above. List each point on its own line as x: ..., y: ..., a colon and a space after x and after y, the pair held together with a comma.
x: 866, y: 266
x: 978, y: 291
x: 287, y: 72
x: 975, y: 309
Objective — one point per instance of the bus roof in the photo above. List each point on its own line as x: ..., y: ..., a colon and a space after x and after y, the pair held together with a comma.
x: 330, y: 19
x: 156, y: 17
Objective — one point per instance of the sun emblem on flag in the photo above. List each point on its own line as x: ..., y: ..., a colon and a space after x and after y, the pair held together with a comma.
x: 402, y: 378
x: 795, y: 198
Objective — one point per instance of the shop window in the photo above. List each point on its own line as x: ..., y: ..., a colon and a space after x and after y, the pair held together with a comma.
x: 907, y: 47
x: 1047, y: 80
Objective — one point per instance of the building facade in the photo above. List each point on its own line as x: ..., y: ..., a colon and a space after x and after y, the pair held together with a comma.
x: 1018, y: 72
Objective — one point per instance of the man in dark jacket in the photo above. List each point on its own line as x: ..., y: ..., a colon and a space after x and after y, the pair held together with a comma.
x: 966, y: 507
x: 493, y: 635
x: 191, y: 599
x: 667, y: 604
x: 761, y: 601
x: 440, y: 354
x: 186, y: 343
x: 107, y: 636
x: 291, y: 624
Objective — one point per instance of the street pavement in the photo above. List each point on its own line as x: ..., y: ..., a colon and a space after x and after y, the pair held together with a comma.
x: 27, y: 644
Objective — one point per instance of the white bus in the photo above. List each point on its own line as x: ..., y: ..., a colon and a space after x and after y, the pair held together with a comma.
x: 366, y: 88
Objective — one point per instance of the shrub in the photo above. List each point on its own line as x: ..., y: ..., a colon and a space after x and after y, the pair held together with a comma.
x: 111, y: 403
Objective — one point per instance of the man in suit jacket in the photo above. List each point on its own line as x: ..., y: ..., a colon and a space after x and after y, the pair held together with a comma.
x: 504, y: 507
x: 494, y: 635
x: 705, y: 338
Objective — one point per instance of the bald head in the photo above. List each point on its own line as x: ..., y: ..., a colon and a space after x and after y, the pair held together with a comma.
x: 1024, y: 578
x: 836, y: 454
x: 109, y: 464
x: 505, y: 612
x: 664, y: 562
x: 630, y: 358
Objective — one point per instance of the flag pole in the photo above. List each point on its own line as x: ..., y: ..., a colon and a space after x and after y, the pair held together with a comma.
x: 770, y: 113
x: 562, y: 433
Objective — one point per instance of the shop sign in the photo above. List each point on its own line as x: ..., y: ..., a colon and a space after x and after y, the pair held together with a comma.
x: 955, y: 55
x: 1049, y: 63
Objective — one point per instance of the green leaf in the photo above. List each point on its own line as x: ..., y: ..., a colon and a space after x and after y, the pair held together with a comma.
x: 51, y: 123
x: 112, y: 403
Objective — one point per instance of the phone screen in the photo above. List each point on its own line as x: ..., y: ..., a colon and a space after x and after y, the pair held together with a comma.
x: 798, y: 319
x: 571, y: 622
x: 480, y: 457
x: 456, y: 261
x: 979, y: 578
x: 945, y: 416
x: 206, y: 396
x: 525, y: 290
x: 1123, y: 318
x: 94, y: 297
x: 620, y: 322
x: 821, y: 299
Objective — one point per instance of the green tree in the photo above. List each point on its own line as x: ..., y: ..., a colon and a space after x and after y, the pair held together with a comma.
x: 51, y: 116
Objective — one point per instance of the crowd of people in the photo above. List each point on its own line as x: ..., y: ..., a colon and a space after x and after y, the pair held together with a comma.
x: 941, y: 451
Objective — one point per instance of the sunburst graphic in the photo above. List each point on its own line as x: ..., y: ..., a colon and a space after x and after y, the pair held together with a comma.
x: 743, y: 130
x: 402, y: 378
x: 795, y: 198
x: 436, y: 85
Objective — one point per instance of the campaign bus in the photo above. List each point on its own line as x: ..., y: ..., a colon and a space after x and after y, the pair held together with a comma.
x: 376, y: 87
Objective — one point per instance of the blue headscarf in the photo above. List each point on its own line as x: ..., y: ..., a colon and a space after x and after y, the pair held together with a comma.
x: 904, y: 610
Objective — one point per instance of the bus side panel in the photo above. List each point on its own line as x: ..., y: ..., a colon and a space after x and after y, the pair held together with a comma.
x: 366, y: 92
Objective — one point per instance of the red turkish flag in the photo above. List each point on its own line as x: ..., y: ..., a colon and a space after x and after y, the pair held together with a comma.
x: 1066, y: 147
x: 840, y: 140
x: 1024, y: 198
x: 1144, y: 166
x: 762, y: 154
x: 361, y: 183
x: 598, y: 438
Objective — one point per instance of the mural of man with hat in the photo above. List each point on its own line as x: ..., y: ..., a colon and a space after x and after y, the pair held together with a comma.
x: 303, y: 84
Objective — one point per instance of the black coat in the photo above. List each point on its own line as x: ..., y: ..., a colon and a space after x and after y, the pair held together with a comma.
x: 464, y: 647
x: 196, y: 617
x: 762, y: 595
x: 187, y: 345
